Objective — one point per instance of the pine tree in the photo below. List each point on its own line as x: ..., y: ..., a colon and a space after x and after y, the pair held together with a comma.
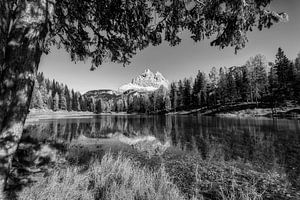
x: 54, y: 89
x: 33, y: 96
x: 213, y: 77
x: 71, y: 100
x: 245, y: 86
x: 48, y: 85
x: 180, y: 94
x: 91, y: 104
x: 119, y: 105
x: 50, y: 100
x: 36, y: 99
x: 82, y: 103
x: 62, y: 101
x: 297, y: 63
x: 44, y: 92
x: 107, y: 105
x: 257, y: 76
x: 198, y: 88
x: 39, y: 100
x: 147, y: 105
x: 231, y: 85
x: 173, y: 95
x: 125, y: 104
x: 130, y: 103
x: 99, y: 106
x: 168, y: 105
x: 68, y: 97
x: 56, y: 102
x: 187, y: 93
x: 297, y: 87
x: 136, y: 104
x: 158, y: 99
x: 75, y: 102
x: 285, y: 75
x: 222, y: 85
x: 237, y: 74
x: 273, y: 86
x: 143, y: 104
x: 297, y: 79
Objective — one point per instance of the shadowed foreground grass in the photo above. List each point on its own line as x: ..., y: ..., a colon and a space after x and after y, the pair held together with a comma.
x: 117, y: 176
x: 112, y: 178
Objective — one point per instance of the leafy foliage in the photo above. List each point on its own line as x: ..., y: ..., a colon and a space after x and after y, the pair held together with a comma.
x: 116, y: 30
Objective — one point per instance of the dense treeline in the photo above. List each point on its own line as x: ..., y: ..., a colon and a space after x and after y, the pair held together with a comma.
x: 56, y: 96
x: 256, y: 81
x: 132, y: 101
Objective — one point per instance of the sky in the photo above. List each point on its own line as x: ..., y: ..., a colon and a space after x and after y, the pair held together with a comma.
x: 180, y: 61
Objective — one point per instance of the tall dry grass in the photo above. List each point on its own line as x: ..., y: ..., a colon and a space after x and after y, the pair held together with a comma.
x: 112, y: 178
x: 179, y: 177
x: 222, y: 180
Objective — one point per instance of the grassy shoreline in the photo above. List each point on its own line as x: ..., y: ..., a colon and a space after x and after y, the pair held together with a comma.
x: 37, y: 114
x: 280, y: 112
x: 129, y: 176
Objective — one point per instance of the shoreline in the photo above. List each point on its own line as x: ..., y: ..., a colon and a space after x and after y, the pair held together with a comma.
x: 281, y: 113
x: 37, y: 114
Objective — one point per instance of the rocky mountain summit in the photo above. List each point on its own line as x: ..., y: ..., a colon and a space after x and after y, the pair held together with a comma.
x: 147, y: 81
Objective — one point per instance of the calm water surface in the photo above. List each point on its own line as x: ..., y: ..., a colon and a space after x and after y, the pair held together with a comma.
x: 268, y: 143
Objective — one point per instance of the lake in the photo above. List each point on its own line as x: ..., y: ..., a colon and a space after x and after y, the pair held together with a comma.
x: 272, y: 144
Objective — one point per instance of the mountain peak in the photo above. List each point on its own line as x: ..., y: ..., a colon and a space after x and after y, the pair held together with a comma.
x: 147, y: 71
x: 158, y: 74
x: 147, y: 81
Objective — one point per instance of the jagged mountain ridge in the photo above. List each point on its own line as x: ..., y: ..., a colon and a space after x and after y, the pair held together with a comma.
x: 147, y: 81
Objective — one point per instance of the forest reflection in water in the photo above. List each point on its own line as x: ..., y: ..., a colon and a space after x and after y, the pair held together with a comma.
x: 272, y: 144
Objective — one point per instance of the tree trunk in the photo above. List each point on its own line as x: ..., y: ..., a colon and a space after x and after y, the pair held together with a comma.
x: 17, y: 82
x: 20, y: 53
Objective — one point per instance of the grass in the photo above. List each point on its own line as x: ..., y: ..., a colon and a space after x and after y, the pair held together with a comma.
x: 115, y: 177
x: 188, y: 177
x: 221, y: 180
x: 134, y: 175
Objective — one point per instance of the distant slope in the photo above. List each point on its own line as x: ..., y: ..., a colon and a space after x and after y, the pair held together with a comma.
x: 103, y: 94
